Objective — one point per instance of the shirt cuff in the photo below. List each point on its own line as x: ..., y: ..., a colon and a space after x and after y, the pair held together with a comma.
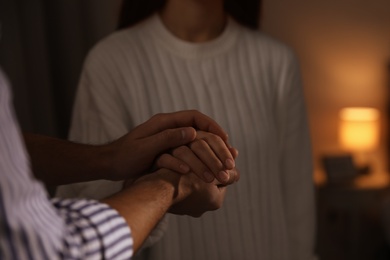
x: 95, y: 230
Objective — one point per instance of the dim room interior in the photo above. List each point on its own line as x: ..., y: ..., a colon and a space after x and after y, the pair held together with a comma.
x: 344, y: 51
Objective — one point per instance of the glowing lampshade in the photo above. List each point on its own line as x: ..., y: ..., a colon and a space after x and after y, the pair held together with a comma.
x: 359, y: 128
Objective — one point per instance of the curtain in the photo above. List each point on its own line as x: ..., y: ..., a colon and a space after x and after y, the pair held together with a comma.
x: 42, y: 48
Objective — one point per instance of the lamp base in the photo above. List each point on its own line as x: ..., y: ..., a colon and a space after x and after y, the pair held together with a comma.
x: 344, y: 168
x: 339, y: 169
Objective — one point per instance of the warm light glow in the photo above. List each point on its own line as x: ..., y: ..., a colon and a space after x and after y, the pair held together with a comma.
x: 359, y: 128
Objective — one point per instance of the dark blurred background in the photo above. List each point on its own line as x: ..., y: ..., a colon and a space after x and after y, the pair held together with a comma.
x: 44, y: 43
x: 344, y: 50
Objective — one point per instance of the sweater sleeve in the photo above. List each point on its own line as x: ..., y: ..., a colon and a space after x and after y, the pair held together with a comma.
x: 32, y: 227
x: 296, y: 162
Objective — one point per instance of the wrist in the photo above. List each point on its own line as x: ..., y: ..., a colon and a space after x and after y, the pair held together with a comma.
x: 144, y: 203
x: 181, y: 184
x: 174, y: 185
x: 104, y: 163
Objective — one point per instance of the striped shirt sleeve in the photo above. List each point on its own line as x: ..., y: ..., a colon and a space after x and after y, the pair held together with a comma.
x: 32, y: 226
x: 102, y: 233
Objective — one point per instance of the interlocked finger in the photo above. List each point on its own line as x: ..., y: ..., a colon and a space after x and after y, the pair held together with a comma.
x: 186, y: 155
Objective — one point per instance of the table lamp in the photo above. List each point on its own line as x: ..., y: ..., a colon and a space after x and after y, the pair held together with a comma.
x: 359, y: 134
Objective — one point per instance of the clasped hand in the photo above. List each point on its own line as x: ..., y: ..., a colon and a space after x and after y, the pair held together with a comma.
x: 202, y: 160
x: 136, y: 152
x: 207, y: 156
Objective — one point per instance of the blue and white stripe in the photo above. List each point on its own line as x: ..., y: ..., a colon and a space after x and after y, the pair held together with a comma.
x: 32, y: 226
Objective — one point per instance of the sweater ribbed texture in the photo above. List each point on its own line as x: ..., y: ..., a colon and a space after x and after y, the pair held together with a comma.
x: 250, y: 84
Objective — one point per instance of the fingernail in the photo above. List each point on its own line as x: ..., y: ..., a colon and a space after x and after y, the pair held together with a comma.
x: 186, y: 133
x: 230, y: 164
x: 208, y: 176
x: 223, y: 176
x: 184, y: 168
x: 183, y: 134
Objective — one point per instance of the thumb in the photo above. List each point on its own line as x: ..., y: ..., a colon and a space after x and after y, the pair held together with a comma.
x: 170, y: 138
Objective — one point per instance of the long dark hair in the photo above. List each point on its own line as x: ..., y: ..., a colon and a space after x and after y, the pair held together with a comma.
x: 246, y: 12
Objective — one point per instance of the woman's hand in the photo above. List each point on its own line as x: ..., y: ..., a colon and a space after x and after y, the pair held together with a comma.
x: 208, y: 156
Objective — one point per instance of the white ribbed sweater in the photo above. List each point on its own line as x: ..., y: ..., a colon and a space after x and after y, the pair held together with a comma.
x: 248, y: 83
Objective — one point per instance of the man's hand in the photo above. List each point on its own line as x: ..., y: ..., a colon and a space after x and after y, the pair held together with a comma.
x: 58, y: 162
x: 145, y: 201
x: 202, y: 196
x: 134, y: 153
x: 192, y: 196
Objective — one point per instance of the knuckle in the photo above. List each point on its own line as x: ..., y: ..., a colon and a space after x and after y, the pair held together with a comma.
x: 163, y: 160
x: 169, y: 134
x: 156, y: 117
x: 218, y: 165
x: 210, y: 137
x: 198, y: 144
x: 180, y: 151
x: 160, y: 163
x: 214, y: 138
x: 160, y: 117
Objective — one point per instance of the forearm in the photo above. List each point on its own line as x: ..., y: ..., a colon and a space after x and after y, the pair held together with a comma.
x: 144, y: 204
x: 58, y: 162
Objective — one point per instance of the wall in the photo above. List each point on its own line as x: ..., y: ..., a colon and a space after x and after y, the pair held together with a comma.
x: 342, y: 45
